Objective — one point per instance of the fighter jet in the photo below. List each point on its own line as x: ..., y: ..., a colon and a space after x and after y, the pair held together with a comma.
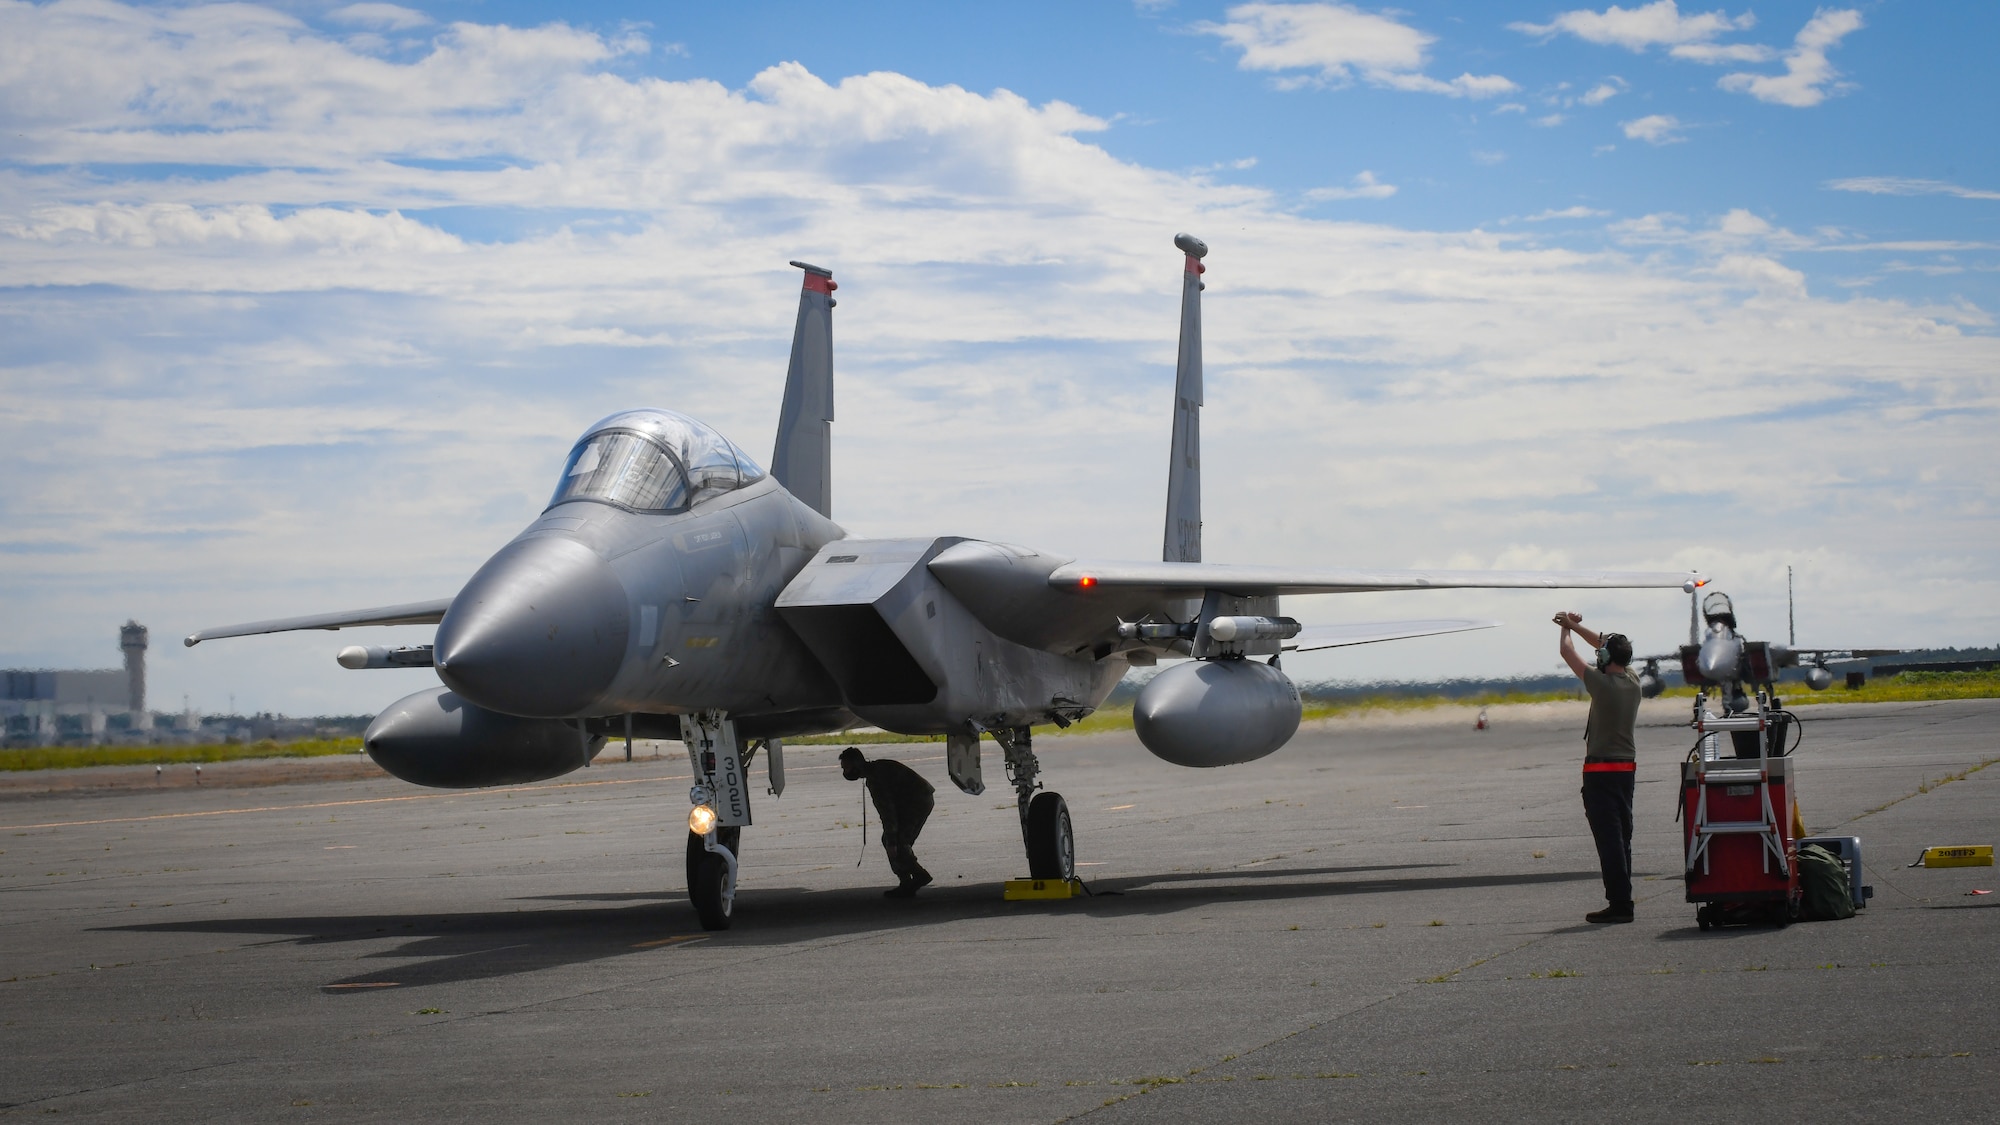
x: 674, y: 588
x: 1720, y: 657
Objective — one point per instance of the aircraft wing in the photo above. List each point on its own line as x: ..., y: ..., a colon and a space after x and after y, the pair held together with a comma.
x: 413, y: 613
x: 1314, y: 637
x: 1188, y: 579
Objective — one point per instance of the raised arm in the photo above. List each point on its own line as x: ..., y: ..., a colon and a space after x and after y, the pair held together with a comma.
x: 1572, y: 623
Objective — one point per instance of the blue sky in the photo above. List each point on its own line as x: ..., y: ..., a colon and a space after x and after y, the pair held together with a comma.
x: 301, y: 305
x: 1897, y: 128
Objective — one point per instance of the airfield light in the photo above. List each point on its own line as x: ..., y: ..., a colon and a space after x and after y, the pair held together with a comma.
x: 701, y: 820
x: 1086, y: 582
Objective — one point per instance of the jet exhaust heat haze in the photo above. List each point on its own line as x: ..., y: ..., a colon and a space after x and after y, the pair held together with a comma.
x: 674, y: 588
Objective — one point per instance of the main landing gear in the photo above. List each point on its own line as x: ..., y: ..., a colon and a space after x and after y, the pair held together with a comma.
x: 1045, y: 826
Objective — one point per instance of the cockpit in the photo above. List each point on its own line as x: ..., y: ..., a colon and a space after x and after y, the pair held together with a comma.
x: 1716, y: 608
x: 653, y: 461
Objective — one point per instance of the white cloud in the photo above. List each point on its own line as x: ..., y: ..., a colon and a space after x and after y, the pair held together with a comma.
x: 1761, y: 273
x: 389, y: 17
x: 1549, y: 121
x: 1603, y: 92
x: 1241, y: 165
x: 1655, y: 129
x: 1341, y: 42
x: 1901, y: 185
x: 1365, y: 186
x: 1636, y: 29
x: 246, y: 226
x: 295, y: 351
x: 1509, y: 107
x: 1579, y: 211
x: 1717, y: 53
x: 1737, y: 231
x: 1808, y: 76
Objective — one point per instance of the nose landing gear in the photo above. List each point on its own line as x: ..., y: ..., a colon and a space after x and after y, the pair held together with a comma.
x: 1045, y: 824
x: 721, y: 800
x: 711, y: 876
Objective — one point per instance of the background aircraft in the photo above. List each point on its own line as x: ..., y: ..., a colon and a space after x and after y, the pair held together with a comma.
x: 673, y: 588
x: 1723, y: 658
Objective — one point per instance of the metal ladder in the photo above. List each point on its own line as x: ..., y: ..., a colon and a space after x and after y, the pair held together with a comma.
x: 1710, y: 771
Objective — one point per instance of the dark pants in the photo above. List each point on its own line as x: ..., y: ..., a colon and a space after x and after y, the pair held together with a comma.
x: 899, y: 837
x: 1607, y: 804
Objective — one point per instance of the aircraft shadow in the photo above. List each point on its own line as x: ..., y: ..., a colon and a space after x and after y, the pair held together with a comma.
x: 434, y: 949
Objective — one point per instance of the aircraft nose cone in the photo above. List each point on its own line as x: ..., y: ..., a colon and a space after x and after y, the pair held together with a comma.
x: 1717, y: 660
x: 539, y: 631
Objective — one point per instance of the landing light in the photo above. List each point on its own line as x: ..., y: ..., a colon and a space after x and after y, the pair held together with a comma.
x: 701, y: 820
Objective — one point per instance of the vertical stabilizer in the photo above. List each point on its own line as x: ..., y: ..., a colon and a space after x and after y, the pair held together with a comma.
x: 1183, y: 541
x: 1791, y: 615
x: 803, y: 458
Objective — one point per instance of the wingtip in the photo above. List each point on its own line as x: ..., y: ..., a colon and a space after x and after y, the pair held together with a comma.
x: 191, y: 640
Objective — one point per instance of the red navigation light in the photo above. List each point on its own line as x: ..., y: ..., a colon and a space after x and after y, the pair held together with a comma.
x: 1086, y: 582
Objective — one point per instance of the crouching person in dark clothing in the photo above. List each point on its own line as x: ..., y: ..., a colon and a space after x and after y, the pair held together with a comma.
x: 904, y: 801
x: 1610, y: 757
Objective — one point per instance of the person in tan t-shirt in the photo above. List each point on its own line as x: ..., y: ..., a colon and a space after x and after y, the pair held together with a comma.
x: 1609, y: 761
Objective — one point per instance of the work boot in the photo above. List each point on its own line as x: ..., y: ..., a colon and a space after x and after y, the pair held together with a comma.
x: 1615, y: 912
x: 905, y: 889
x: 918, y: 879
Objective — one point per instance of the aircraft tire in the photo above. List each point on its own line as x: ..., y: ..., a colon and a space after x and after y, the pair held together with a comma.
x: 707, y: 872
x: 1051, y: 842
x: 731, y: 838
x: 706, y: 893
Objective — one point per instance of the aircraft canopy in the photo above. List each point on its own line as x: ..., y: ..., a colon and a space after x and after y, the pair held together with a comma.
x: 653, y: 461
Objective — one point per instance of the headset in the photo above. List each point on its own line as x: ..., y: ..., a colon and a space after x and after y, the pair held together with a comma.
x: 1604, y: 650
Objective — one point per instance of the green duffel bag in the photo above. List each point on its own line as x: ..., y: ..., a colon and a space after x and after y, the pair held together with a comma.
x: 1823, y: 886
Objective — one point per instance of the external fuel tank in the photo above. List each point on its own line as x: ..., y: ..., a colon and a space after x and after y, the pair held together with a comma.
x: 1216, y: 712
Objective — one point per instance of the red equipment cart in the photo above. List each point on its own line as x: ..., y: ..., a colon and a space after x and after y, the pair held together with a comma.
x: 1740, y: 857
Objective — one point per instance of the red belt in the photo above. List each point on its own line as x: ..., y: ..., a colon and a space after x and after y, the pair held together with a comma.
x: 1610, y: 767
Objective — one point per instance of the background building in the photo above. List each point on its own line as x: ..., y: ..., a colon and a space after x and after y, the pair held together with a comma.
x: 43, y: 707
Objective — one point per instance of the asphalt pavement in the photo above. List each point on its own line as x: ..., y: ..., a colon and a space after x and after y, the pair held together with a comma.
x: 1382, y: 922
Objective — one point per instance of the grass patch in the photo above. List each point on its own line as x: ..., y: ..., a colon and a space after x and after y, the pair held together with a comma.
x: 859, y: 738
x: 75, y: 757
x: 1904, y: 687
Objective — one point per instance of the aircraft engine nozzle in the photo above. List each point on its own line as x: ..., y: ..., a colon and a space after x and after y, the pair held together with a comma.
x: 1216, y: 712
x: 539, y: 631
x: 438, y: 739
x: 1819, y: 678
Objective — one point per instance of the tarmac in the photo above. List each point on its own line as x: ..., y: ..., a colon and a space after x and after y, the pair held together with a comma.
x: 1381, y: 922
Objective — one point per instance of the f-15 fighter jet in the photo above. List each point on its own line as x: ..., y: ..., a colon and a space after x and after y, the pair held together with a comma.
x: 674, y: 588
x: 1716, y: 655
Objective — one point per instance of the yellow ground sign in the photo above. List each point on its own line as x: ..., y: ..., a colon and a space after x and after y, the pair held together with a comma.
x: 1019, y: 889
x: 1957, y: 855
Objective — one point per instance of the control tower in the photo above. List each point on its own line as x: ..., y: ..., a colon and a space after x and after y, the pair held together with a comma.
x: 132, y: 639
